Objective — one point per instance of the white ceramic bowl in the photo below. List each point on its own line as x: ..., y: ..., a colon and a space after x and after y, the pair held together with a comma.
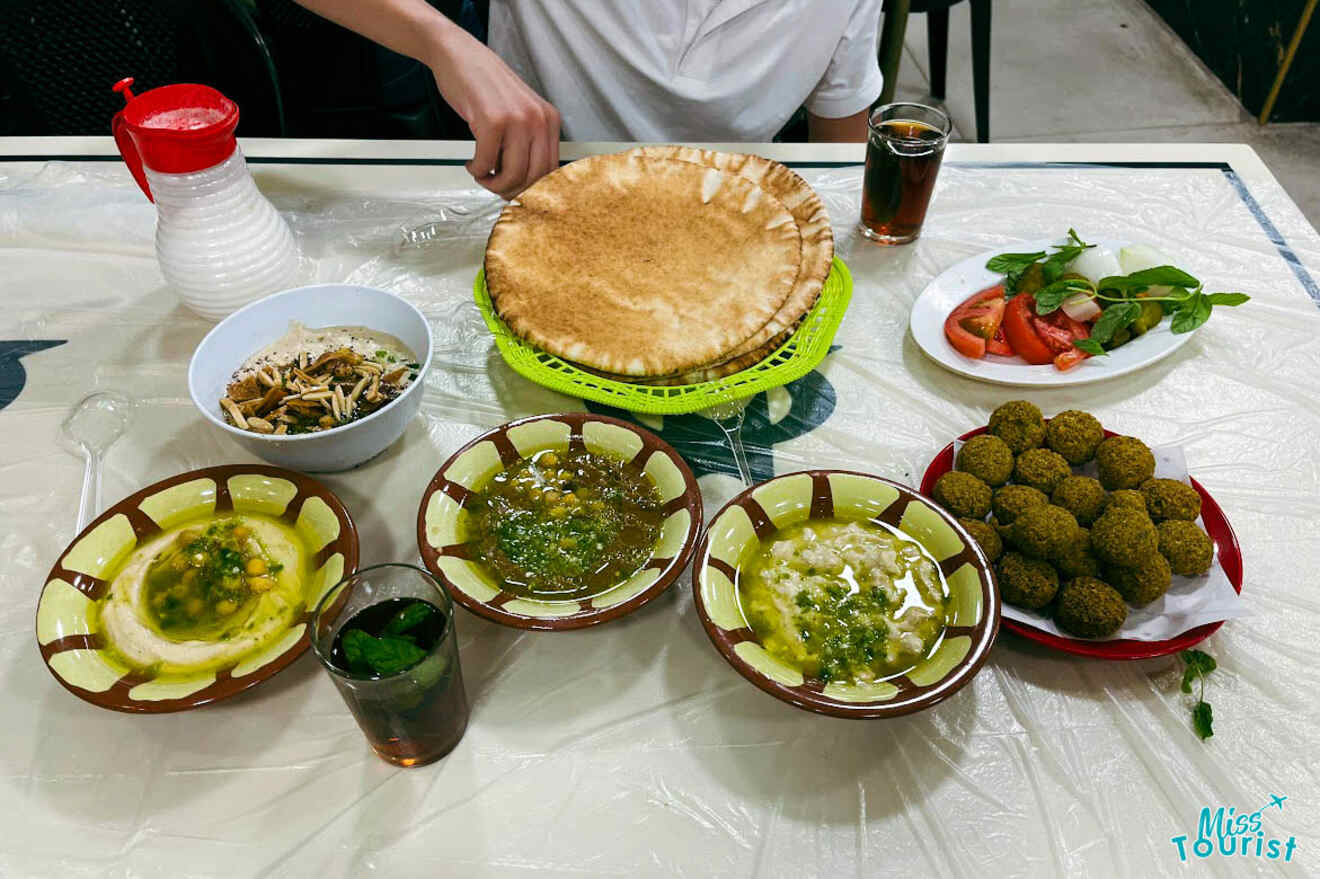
x: 253, y: 327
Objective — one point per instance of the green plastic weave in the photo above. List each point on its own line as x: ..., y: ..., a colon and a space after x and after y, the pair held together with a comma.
x: 802, y: 353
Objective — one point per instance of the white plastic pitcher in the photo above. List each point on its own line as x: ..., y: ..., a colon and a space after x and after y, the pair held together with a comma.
x: 221, y: 244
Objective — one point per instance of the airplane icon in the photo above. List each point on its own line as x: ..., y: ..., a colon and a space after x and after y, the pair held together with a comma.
x: 1276, y: 801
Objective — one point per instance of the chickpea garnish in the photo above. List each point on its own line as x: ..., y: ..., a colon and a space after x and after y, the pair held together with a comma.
x: 256, y: 566
x: 242, y: 532
x: 260, y: 584
x: 550, y: 459
x: 226, y: 607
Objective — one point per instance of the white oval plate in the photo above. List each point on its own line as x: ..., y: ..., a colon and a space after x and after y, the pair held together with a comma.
x: 954, y: 285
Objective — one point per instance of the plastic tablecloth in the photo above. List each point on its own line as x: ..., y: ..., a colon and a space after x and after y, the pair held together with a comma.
x: 633, y: 749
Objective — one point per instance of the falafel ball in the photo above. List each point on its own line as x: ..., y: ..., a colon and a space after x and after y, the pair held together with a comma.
x: 986, y: 457
x: 1076, y: 558
x: 1188, y: 549
x: 1125, y: 462
x: 1012, y: 501
x: 1089, y: 608
x: 1020, y: 424
x: 1142, y: 584
x: 1080, y: 495
x: 962, y: 494
x: 1029, y: 583
x: 1125, y: 498
x: 1170, y: 499
x: 1041, y: 469
x: 986, y: 536
x: 1124, y: 537
x: 1044, y: 532
x: 1075, y: 435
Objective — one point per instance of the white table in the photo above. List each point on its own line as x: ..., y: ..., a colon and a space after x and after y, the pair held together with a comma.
x: 634, y: 749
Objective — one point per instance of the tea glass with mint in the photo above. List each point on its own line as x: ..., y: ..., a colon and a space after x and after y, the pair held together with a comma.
x: 386, y: 636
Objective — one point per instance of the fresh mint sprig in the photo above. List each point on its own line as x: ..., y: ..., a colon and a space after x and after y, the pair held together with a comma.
x: 1196, y: 665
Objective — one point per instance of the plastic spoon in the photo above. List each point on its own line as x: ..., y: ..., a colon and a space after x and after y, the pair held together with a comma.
x: 729, y: 418
x: 92, y: 427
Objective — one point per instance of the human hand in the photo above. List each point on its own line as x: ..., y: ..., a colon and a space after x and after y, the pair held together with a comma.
x: 517, y: 131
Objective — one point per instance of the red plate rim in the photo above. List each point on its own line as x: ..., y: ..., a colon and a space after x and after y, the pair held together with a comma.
x: 1216, y: 525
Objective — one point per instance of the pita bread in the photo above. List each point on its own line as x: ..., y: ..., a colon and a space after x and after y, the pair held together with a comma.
x: 802, y: 202
x: 642, y: 267
x: 710, y: 372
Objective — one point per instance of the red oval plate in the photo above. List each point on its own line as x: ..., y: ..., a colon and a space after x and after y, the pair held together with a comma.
x: 1216, y: 525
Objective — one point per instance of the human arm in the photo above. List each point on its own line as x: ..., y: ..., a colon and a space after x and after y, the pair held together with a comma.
x: 848, y: 129
x: 838, y: 106
x: 517, y: 132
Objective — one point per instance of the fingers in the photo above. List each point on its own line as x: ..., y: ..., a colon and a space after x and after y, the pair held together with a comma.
x: 486, y: 158
x: 541, y: 162
x: 511, y: 178
x: 552, y: 132
x: 517, y: 144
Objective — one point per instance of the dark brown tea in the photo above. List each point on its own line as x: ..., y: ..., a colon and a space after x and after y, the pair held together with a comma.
x: 902, y: 161
x: 405, y: 694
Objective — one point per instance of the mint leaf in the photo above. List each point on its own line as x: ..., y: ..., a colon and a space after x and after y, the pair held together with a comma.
x: 1051, y: 296
x: 1191, y: 314
x: 410, y: 617
x: 1229, y: 299
x: 1113, y: 319
x: 1198, y: 661
x: 389, y: 655
x: 1159, y: 276
x: 1006, y: 262
x: 1203, y: 720
x: 1053, y: 267
x: 1091, y: 346
x: 353, y: 652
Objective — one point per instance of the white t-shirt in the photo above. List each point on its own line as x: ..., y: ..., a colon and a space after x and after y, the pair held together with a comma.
x: 694, y: 70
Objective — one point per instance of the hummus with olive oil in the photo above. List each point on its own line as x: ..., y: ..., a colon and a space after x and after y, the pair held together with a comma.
x: 205, y: 594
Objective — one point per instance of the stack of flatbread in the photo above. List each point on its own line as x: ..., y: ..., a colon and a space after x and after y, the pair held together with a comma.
x: 661, y: 265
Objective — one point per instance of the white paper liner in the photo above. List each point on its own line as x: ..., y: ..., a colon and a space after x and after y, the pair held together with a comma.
x: 1190, y: 601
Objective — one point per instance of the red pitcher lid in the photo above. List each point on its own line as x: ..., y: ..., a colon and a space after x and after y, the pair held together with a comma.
x: 178, y: 128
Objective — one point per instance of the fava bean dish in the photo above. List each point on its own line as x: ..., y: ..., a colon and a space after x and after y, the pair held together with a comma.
x: 565, y: 524
x: 844, y: 601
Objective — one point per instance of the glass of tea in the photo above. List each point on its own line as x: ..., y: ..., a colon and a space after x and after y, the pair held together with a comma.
x: 386, y: 636
x: 903, y: 153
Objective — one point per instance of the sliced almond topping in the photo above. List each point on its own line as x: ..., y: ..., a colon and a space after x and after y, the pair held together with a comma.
x: 271, y: 400
x: 357, y: 389
x: 236, y: 415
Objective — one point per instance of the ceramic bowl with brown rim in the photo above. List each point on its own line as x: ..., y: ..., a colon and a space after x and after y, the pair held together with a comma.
x: 735, y: 536
x: 70, y: 634
x: 443, y: 526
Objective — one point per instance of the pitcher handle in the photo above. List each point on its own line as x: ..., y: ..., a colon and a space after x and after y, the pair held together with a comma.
x: 128, y: 149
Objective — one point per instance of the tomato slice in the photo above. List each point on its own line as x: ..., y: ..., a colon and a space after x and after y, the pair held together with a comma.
x: 999, y: 344
x: 1068, y: 359
x: 1018, y: 329
x: 975, y: 321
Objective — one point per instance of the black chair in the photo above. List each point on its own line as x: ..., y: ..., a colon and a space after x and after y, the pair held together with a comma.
x: 937, y: 36
x: 58, y: 59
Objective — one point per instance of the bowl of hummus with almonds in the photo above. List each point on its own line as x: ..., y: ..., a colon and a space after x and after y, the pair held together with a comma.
x: 320, y: 378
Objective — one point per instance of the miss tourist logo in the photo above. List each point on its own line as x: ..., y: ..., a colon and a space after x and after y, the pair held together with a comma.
x: 1226, y: 833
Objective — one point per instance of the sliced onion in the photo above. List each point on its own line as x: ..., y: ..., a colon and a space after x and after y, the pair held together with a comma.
x: 1096, y: 263
x: 1081, y: 307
